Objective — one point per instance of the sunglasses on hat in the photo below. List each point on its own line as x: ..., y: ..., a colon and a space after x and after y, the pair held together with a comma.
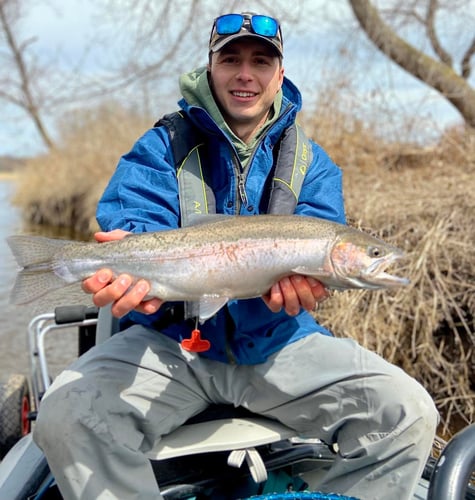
x: 229, y: 27
x: 260, y: 25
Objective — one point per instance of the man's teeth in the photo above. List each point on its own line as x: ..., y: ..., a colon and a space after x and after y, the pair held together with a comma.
x: 244, y: 94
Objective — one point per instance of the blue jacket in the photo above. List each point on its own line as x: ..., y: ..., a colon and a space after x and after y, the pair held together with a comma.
x: 142, y: 195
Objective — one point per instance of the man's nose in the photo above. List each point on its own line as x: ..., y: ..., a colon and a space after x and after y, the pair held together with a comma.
x: 244, y: 72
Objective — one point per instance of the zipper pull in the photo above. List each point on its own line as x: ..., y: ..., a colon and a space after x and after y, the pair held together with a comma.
x: 195, y: 343
x: 242, y: 190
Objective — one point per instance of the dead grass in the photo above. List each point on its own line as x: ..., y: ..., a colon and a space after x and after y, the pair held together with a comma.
x: 427, y: 207
x: 61, y: 189
x: 420, y: 198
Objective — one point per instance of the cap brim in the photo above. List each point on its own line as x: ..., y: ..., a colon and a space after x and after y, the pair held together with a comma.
x: 231, y: 38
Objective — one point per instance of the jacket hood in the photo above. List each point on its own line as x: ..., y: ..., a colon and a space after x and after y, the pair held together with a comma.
x: 292, y: 94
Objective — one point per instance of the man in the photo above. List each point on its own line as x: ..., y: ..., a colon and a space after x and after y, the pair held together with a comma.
x: 268, y: 355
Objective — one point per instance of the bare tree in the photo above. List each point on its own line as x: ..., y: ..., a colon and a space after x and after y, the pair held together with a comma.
x: 437, y: 70
x: 165, y: 38
x: 45, y: 88
x: 17, y: 79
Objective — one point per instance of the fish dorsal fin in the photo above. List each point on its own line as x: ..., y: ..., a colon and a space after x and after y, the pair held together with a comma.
x: 209, y: 305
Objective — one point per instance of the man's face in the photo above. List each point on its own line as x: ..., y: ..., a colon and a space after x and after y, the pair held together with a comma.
x: 245, y: 76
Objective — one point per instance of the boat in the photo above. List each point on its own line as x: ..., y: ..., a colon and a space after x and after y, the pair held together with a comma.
x: 223, y: 453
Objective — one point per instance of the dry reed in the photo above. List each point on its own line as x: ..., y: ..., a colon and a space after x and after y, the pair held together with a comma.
x: 422, y: 201
x: 61, y: 189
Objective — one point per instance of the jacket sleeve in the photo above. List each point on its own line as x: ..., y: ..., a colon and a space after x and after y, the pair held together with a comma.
x: 322, y: 191
x: 142, y: 194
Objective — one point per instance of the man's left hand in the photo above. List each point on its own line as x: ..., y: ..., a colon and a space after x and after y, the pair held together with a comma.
x: 294, y: 292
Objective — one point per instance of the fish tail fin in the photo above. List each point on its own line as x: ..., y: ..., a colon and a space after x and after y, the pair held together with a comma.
x: 35, y: 255
x: 31, y: 285
x: 34, y: 251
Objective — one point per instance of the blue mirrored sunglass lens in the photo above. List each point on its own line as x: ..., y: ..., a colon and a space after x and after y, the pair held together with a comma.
x: 229, y: 24
x: 264, y: 25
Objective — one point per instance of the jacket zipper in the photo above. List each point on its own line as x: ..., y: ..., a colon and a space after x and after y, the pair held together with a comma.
x: 241, y: 174
x: 242, y: 189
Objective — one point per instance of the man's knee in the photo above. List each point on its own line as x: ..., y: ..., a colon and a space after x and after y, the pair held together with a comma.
x: 424, y: 405
x: 416, y: 409
x: 56, y: 412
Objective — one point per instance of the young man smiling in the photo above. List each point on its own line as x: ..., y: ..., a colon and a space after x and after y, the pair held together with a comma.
x: 245, y: 78
x: 267, y: 354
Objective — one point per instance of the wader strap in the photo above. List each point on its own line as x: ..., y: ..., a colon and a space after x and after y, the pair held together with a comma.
x: 293, y: 159
x: 196, y: 197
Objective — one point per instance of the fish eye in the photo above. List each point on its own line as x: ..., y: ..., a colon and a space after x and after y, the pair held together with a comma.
x: 375, y: 252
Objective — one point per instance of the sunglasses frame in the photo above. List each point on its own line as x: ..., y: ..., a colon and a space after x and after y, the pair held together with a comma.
x: 249, y: 18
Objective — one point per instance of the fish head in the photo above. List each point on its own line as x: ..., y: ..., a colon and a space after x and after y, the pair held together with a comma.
x: 360, y: 261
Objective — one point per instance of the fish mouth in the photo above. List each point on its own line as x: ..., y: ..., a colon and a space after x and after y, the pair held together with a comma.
x: 375, y: 275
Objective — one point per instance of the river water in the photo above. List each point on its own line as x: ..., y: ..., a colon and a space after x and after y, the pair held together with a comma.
x: 61, y: 345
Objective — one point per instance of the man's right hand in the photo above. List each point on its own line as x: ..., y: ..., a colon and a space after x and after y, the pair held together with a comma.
x: 118, y: 291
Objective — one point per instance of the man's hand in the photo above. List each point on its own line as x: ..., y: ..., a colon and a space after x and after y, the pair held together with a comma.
x: 295, y: 292
x: 118, y: 291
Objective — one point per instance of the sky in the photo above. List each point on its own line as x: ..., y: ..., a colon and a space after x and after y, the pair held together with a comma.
x: 59, y: 29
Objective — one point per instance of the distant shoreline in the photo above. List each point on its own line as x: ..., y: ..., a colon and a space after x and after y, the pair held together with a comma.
x: 8, y: 176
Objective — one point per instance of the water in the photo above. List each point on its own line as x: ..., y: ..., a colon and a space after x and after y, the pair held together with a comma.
x: 61, y: 345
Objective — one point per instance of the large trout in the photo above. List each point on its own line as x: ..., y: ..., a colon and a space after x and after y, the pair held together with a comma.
x: 210, y: 263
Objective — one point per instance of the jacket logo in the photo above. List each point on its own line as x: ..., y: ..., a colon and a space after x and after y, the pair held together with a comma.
x: 304, y: 159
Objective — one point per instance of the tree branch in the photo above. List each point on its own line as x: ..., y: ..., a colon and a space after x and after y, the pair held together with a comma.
x: 430, y: 71
x: 444, y: 56
x: 466, y: 64
x: 28, y: 102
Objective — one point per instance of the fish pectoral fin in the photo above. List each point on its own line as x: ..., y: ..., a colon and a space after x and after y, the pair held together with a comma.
x: 209, y: 305
x: 192, y: 309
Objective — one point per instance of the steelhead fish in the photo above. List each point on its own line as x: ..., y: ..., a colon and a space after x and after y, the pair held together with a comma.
x: 234, y: 257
